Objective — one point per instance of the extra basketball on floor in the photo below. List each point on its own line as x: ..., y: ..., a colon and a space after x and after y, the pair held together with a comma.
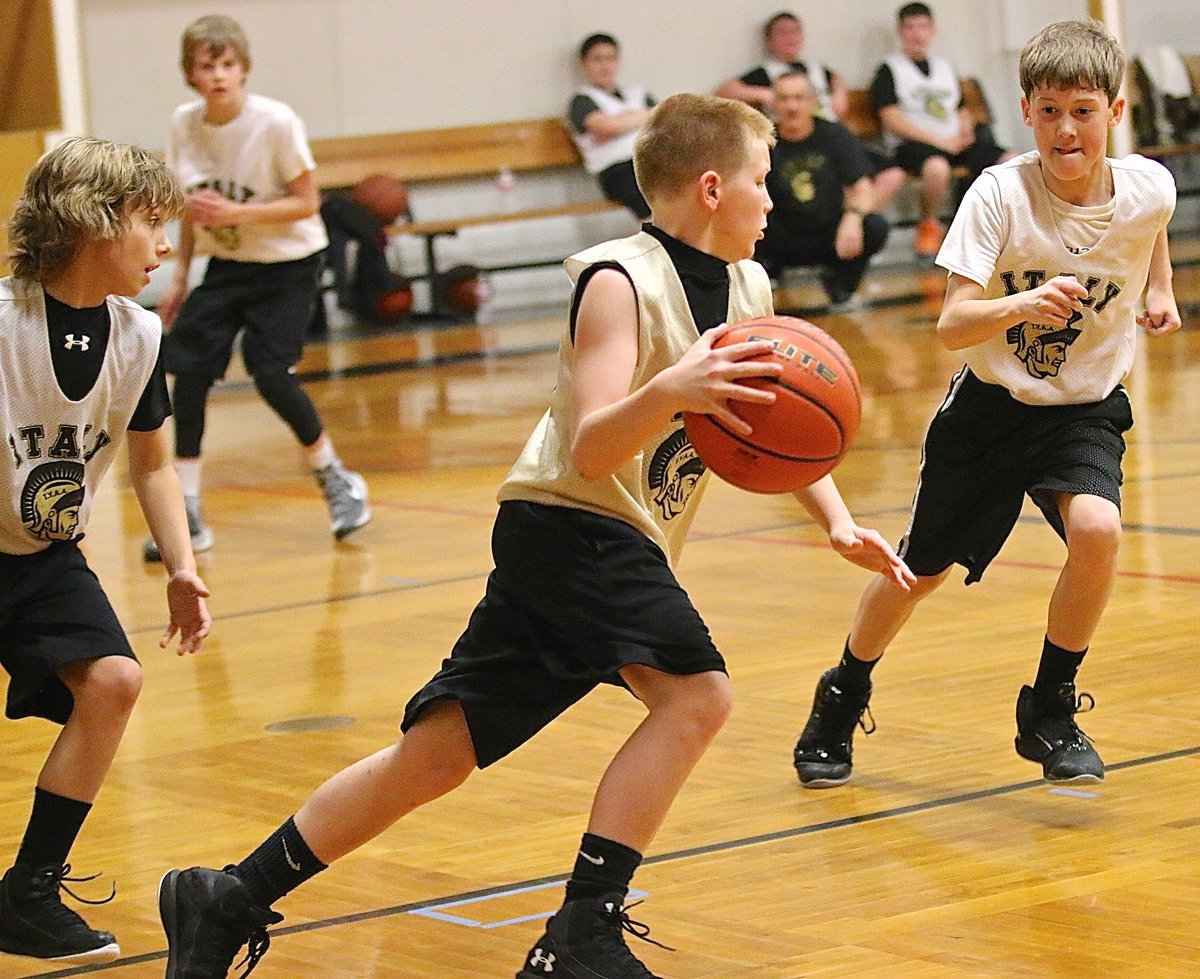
x: 804, y: 433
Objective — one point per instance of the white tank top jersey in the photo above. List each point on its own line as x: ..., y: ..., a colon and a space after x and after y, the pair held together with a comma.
x: 56, y: 450
x: 817, y: 78
x: 931, y: 101
x: 601, y: 154
x: 252, y: 157
x: 658, y: 489
x: 1005, y: 237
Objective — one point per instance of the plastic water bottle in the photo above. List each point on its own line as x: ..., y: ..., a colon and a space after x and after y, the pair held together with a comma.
x: 506, y: 183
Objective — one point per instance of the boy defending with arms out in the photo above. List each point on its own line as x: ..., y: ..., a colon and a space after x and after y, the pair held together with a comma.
x: 591, y: 519
x: 1048, y: 258
x: 79, y: 371
x: 252, y: 205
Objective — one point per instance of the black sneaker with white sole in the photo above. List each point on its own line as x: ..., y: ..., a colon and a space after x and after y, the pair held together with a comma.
x: 1047, y: 733
x: 35, y: 923
x: 823, y: 753
x: 586, y: 940
x: 209, y: 916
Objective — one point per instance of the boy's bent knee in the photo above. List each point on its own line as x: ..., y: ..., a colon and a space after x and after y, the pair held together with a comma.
x: 705, y: 700
x: 441, y: 736
x: 1093, y: 525
x: 925, y: 585
x: 110, y: 684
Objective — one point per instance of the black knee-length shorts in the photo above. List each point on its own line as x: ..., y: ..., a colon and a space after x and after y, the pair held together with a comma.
x: 574, y: 597
x: 985, y: 451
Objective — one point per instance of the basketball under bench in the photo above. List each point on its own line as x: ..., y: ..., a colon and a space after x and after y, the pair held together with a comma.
x: 423, y: 156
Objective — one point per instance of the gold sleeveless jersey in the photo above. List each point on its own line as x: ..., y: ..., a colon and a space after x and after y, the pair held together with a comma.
x: 658, y: 488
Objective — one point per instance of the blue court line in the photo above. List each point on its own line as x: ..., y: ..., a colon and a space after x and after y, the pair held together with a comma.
x: 1075, y: 793
x: 808, y: 830
x: 435, y: 911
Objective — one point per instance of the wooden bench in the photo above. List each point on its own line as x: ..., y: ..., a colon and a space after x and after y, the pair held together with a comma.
x: 525, y: 146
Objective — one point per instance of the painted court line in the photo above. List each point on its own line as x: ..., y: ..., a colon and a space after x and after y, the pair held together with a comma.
x: 1075, y: 793
x: 436, y: 911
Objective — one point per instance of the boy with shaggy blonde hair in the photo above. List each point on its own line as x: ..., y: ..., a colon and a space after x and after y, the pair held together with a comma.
x: 591, y: 521
x: 79, y: 372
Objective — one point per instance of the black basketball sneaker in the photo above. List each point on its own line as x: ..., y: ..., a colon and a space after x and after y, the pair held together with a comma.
x: 822, y: 756
x: 585, y: 940
x: 1047, y: 733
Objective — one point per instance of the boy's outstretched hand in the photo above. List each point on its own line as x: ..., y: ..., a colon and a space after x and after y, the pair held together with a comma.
x: 869, y: 550
x: 189, y: 612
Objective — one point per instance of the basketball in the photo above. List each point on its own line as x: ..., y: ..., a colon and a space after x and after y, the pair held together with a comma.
x: 462, y: 288
x: 384, y: 196
x: 394, y: 306
x: 809, y: 427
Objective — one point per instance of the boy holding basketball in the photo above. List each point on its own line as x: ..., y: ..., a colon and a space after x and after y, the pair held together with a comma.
x: 79, y: 373
x: 252, y: 205
x: 591, y: 518
x: 1048, y: 259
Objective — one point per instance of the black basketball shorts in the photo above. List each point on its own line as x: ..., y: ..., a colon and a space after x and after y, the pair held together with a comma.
x: 269, y: 303
x: 52, y: 612
x: 574, y: 597
x: 985, y: 451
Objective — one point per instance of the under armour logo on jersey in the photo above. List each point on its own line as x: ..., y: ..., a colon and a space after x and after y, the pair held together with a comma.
x: 81, y: 343
x: 543, y: 959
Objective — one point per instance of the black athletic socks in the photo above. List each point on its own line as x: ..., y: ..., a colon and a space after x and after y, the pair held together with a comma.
x: 53, y: 826
x: 601, y: 867
x: 854, y: 674
x: 1057, y: 667
x: 281, y: 863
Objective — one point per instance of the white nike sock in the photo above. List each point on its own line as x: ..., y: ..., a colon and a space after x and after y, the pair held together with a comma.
x: 189, y: 476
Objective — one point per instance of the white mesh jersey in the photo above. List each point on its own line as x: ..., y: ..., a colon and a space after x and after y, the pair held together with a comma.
x: 1006, y: 238
x: 658, y: 489
x: 600, y: 154
x: 57, y: 450
x: 931, y: 101
x: 252, y: 157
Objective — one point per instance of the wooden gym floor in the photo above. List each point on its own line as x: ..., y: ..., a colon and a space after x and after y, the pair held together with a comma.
x: 945, y: 856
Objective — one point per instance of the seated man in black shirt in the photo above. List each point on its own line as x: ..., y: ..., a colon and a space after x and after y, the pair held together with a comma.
x: 821, y: 188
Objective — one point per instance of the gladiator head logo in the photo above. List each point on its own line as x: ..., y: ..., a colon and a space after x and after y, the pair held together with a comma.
x: 51, y: 500
x: 1041, y: 348
x: 228, y: 237
x: 675, y: 470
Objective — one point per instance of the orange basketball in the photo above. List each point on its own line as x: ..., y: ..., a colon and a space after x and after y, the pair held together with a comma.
x: 462, y: 288
x: 394, y: 306
x: 805, y: 432
x: 384, y: 196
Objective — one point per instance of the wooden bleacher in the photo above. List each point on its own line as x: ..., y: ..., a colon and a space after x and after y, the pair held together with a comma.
x: 1139, y: 105
x: 525, y: 146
